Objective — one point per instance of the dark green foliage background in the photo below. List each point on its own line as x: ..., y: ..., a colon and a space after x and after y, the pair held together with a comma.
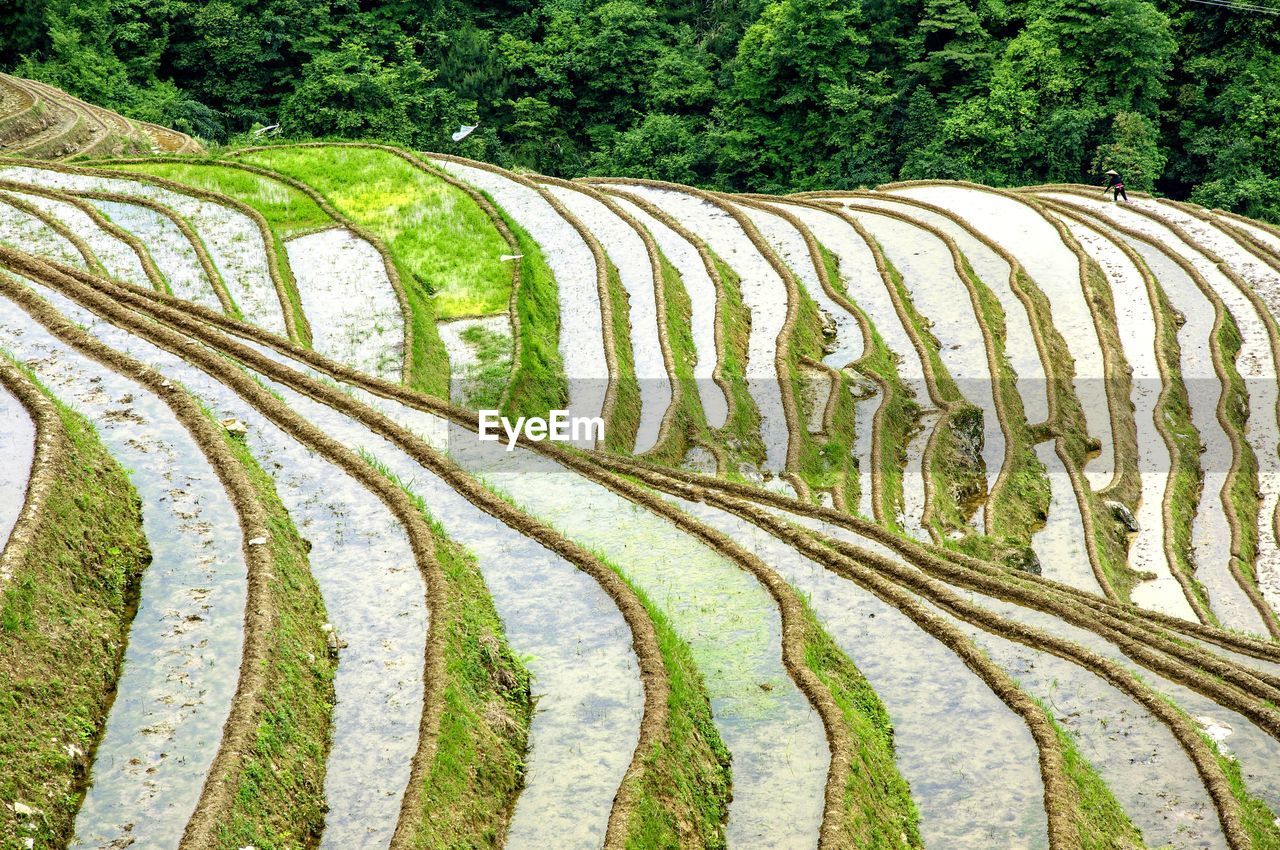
x: 732, y: 94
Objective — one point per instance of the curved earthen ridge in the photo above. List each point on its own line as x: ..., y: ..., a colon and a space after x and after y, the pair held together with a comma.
x: 1268, y: 617
x: 994, y: 360
x: 713, y: 272
x: 50, y: 445
x: 795, y: 426
x: 660, y: 298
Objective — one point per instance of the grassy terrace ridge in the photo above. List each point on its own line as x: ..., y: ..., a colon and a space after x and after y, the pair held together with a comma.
x: 899, y: 410
x: 624, y: 424
x: 1103, y: 824
x: 64, y: 622
x: 1022, y: 497
x: 477, y: 770
x: 955, y: 470
x: 538, y: 382
x: 688, y: 421
x: 878, y: 807
x: 682, y: 796
x: 740, y: 436
x: 825, y: 459
x: 279, y: 799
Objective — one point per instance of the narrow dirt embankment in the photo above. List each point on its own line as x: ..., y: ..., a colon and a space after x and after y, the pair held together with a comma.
x: 640, y: 275
x: 25, y: 231
x: 17, y: 453
x: 763, y: 292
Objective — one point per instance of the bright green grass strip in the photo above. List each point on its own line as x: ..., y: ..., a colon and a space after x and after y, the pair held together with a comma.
x: 740, y: 435
x: 1243, y: 498
x: 443, y: 241
x: 620, y: 436
x: 539, y: 383
x: 824, y: 462
x: 878, y: 806
x: 1259, y: 821
x: 688, y: 419
x: 486, y: 380
x: 683, y: 795
x: 470, y: 786
x: 279, y: 801
x: 64, y: 620
x: 288, y: 211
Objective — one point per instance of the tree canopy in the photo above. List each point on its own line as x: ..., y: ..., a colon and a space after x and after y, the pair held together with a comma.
x: 764, y: 95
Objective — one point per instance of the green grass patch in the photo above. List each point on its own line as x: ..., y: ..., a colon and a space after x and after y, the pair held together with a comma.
x: 899, y: 411
x: 621, y: 430
x: 482, y: 386
x: 279, y: 800
x: 64, y: 622
x: 443, y: 241
x: 539, y: 383
x: 682, y: 799
x: 288, y: 211
x: 740, y: 436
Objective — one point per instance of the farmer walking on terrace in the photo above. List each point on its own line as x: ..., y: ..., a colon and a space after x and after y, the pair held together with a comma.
x: 1115, y: 184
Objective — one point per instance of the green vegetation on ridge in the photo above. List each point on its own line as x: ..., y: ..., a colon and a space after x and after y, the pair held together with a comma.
x: 64, y: 621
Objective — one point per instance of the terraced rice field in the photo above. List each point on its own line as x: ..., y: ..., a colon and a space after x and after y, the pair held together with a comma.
x: 928, y: 516
x: 40, y: 121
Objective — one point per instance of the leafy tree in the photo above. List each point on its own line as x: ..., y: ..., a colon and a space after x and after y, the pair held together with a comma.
x: 352, y: 93
x: 738, y: 94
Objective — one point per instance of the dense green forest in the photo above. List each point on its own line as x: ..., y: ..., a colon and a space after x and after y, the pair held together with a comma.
x: 735, y: 94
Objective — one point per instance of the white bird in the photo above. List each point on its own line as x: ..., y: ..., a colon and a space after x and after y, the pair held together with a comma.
x: 262, y: 131
x: 506, y: 257
x: 464, y: 131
